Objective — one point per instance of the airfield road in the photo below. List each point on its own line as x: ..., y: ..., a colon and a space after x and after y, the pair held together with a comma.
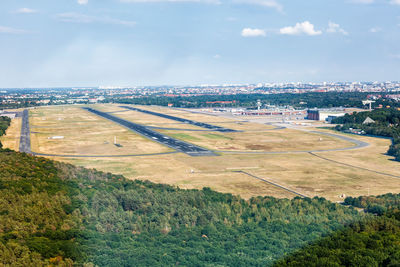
x: 25, y: 139
x: 272, y: 183
x: 353, y: 166
x: 196, y: 123
x: 178, y: 145
x: 358, y: 144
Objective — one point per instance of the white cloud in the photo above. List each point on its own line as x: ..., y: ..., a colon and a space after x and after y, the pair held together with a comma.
x: 83, y: 2
x: 335, y: 28
x: 248, y: 32
x: 395, y: 56
x: 395, y: 2
x: 300, y: 28
x: 172, y: 1
x: 375, y: 29
x: 81, y: 18
x: 25, y: 10
x: 217, y: 56
x: 363, y: 1
x: 4, y: 29
x: 265, y: 3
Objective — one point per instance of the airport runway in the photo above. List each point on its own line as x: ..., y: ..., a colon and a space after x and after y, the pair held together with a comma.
x: 176, y: 144
x: 196, y: 123
x: 25, y: 139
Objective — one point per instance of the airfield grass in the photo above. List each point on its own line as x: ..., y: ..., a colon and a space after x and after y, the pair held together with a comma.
x: 271, y: 141
x: 302, y: 172
x: 84, y: 134
x: 11, y: 138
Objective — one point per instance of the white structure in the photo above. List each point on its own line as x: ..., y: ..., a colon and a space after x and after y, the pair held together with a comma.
x: 56, y: 137
x: 366, y: 102
x: 368, y: 120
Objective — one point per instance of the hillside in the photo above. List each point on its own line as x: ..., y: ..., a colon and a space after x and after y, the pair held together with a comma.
x: 372, y: 242
x: 54, y: 212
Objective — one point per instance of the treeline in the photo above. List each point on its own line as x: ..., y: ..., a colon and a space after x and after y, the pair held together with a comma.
x: 376, y: 204
x: 387, y: 123
x: 4, y: 124
x: 371, y: 242
x: 54, y: 213
x: 305, y: 100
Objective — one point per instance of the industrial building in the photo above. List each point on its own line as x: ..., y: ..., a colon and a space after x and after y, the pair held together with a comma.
x: 325, y: 114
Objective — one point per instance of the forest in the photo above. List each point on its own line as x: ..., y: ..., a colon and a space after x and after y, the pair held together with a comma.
x: 369, y: 242
x: 57, y: 214
x: 387, y: 124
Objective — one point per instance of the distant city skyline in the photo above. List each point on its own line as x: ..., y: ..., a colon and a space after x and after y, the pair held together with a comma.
x: 69, y: 43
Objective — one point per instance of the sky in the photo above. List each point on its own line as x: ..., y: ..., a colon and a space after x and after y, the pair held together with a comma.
x: 66, y: 43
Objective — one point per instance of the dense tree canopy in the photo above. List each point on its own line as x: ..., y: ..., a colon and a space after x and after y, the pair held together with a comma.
x: 371, y: 242
x: 387, y: 123
x: 4, y: 124
x: 50, y: 211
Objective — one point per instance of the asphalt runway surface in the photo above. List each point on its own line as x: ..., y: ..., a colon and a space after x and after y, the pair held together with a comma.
x: 196, y: 123
x: 173, y: 143
x: 25, y: 138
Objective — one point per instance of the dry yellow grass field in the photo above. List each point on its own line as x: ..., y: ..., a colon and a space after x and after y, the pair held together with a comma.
x: 271, y: 141
x: 11, y: 139
x: 84, y: 134
x: 303, y: 172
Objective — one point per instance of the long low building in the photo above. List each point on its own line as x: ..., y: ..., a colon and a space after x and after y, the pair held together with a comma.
x: 326, y: 114
x: 10, y: 114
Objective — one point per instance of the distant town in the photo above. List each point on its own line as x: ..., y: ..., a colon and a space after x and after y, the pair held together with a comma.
x: 18, y: 97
